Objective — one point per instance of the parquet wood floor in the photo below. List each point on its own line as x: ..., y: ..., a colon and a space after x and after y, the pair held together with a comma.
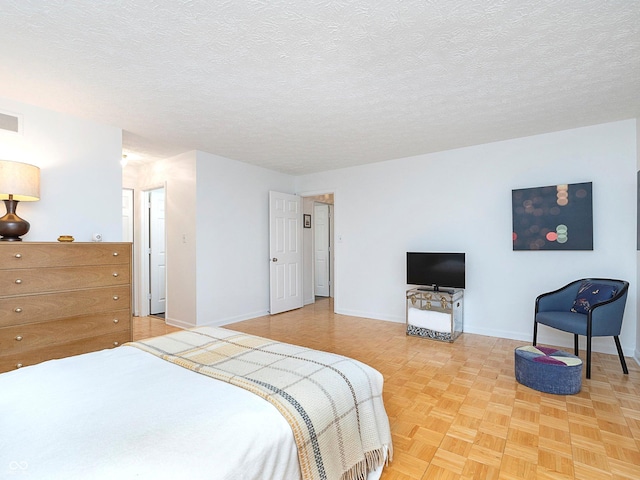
x: 457, y: 412
x: 146, y: 327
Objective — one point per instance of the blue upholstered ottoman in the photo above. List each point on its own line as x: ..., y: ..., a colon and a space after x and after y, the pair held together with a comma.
x: 548, y: 370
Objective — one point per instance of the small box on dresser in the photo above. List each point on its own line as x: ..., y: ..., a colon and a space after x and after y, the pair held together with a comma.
x: 435, y: 314
x: 62, y: 299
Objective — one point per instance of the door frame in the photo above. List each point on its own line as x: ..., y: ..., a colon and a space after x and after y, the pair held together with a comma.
x: 328, y: 208
x: 158, y: 234
x: 144, y: 290
x: 333, y: 268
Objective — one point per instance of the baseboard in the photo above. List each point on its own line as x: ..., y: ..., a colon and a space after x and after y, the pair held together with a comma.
x: 240, y: 318
x: 177, y: 323
x: 511, y: 335
x: 371, y: 315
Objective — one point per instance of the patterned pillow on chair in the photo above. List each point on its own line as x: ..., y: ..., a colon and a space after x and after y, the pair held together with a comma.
x: 591, y: 293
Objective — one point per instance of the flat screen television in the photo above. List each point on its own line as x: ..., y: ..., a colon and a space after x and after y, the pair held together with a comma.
x: 436, y: 270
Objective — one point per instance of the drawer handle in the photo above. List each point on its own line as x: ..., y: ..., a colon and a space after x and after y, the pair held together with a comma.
x: 115, y: 320
x: 18, y: 365
x: 115, y: 344
x: 17, y: 310
x: 115, y: 274
x: 18, y: 281
x: 116, y: 297
x: 115, y: 254
x: 18, y: 338
x: 18, y: 255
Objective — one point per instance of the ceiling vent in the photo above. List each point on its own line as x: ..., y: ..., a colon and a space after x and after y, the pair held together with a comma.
x: 10, y: 123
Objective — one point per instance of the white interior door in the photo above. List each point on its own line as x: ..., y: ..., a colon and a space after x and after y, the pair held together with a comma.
x: 285, y: 250
x: 157, y: 252
x: 321, y: 249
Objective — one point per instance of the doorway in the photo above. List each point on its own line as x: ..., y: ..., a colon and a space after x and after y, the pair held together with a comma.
x: 155, y: 245
x: 321, y: 250
x: 318, y: 246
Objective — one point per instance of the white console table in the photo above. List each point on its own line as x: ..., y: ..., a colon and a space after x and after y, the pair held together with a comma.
x: 435, y: 314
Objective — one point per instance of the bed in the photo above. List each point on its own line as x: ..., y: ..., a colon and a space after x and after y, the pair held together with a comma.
x: 205, y: 403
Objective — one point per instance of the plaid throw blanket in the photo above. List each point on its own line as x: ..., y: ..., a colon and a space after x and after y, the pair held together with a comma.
x: 333, y: 403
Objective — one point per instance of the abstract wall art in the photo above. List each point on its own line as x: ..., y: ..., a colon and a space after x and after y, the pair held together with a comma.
x: 556, y: 217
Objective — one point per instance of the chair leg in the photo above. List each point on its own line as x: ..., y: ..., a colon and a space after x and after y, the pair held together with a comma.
x: 535, y: 332
x: 588, y: 356
x: 575, y: 344
x: 621, y: 355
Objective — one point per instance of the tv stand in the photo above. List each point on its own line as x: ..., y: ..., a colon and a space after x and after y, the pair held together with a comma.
x: 434, y: 313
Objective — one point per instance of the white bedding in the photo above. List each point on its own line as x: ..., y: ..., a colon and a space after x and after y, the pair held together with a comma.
x: 123, y: 413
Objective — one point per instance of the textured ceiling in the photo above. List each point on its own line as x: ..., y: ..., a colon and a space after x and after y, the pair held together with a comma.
x: 304, y: 86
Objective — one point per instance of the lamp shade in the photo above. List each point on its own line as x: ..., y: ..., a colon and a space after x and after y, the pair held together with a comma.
x: 20, y: 180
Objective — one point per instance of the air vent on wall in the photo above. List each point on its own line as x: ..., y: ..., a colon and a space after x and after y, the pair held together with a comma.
x: 10, y: 123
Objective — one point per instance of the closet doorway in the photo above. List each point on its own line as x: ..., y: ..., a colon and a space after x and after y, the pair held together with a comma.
x: 322, y: 249
x: 318, y: 246
x: 155, y: 244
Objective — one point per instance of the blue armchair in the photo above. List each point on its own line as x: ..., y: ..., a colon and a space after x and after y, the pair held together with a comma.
x: 592, y: 307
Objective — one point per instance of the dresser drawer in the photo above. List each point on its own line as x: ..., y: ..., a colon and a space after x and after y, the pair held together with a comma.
x: 30, y: 336
x: 85, y: 345
x: 24, y: 281
x: 28, y: 255
x: 50, y: 306
x: 40, y: 280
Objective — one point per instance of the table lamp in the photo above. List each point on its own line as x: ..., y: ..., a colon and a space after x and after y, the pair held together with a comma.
x: 18, y: 182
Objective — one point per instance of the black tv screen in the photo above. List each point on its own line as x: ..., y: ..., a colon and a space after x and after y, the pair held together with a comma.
x: 436, y: 269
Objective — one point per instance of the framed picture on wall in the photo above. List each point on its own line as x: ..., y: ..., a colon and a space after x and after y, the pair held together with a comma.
x: 307, y: 220
x: 556, y: 217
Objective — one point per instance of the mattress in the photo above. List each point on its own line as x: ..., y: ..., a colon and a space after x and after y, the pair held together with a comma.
x: 123, y: 413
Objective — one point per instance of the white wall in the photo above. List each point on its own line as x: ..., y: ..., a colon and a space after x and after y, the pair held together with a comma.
x: 455, y: 200
x: 460, y: 200
x: 178, y: 176
x: 233, y: 238
x: 217, y: 235
x: 80, y: 174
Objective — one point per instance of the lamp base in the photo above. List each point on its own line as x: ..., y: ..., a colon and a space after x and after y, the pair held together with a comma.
x: 12, y: 227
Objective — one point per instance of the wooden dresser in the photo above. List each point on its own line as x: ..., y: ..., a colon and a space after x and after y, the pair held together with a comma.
x: 62, y: 299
